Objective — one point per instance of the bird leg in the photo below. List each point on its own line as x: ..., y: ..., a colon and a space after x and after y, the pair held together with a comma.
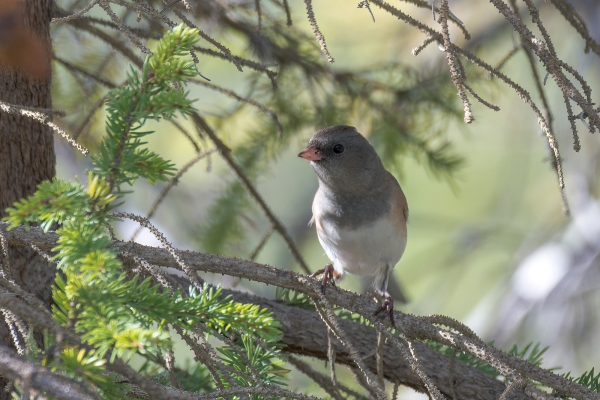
x: 329, y: 276
x: 388, y: 305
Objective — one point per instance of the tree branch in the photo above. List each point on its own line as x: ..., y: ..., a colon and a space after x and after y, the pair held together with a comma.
x: 304, y: 333
x: 31, y: 376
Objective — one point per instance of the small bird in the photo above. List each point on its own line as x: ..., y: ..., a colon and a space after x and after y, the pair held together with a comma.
x: 359, y: 210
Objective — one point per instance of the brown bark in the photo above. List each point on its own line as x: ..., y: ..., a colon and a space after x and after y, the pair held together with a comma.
x: 26, y: 147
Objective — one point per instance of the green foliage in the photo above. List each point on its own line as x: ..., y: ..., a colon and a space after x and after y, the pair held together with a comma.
x: 261, y: 360
x: 587, y: 379
x: 90, y: 368
x: 530, y: 353
x: 294, y: 298
x: 118, y: 315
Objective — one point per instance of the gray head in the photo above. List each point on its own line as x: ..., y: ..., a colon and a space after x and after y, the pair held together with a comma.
x: 344, y: 160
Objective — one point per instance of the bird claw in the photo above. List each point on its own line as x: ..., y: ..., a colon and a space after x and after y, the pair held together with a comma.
x: 388, y: 306
x: 328, y: 276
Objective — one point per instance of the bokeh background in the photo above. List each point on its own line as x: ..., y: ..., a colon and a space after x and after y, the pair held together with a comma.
x: 488, y: 243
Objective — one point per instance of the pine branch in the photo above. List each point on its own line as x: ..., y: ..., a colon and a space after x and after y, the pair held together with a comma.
x: 294, y: 321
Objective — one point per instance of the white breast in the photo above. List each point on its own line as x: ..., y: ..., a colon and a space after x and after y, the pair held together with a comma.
x: 362, y: 251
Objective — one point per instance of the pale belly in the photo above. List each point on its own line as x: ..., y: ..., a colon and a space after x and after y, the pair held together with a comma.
x: 363, y: 251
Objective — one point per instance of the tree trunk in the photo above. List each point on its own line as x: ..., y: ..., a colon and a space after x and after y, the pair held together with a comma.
x: 26, y: 146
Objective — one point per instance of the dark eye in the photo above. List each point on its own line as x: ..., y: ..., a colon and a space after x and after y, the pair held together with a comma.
x: 338, y: 149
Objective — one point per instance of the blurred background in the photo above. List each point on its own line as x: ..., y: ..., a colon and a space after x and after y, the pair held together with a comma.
x: 488, y: 243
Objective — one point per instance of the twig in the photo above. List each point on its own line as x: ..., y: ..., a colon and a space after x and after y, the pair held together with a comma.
x: 288, y: 13
x: 185, y: 133
x: 243, y: 62
x: 478, y: 98
x: 247, y: 100
x: 75, y: 69
x: 15, y: 327
x: 6, y: 269
x: 88, y: 117
x: 43, y: 119
x: 174, y: 181
x: 455, y: 69
x: 507, y: 57
x: 417, y: 50
x: 451, y: 323
x: 379, y: 357
x: 331, y: 357
x: 76, y: 15
x: 123, y: 28
x: 261, y: 244
x: 84, y: 25
x: 330, y: 319
x: 193, y: 276
x: 321, y: 380
x: 318, y: 35
x: 259, y: 15
x: 226, y: 154
x: 569, y: 13
x: 365, y: 4
x: 524, y: 95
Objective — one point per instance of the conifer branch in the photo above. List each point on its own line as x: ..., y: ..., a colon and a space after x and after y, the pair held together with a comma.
x: 293, y: 319
x: 35, y: 379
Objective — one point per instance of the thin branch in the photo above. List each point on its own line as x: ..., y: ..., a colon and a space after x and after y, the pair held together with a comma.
x: 507, y: 57
x: 243, y: 62
x: 288, y: 13
x: 569, y: 13
x: 318, y: 35
x: 28, y: 374
x: 524, y: 95
x: 116, y: 44
x: 15, y: 328
x: 226, y: 154
x: 174, y: 181
x: 247, y: 100
x: 458, y: 77
x: 331, y: 357
x: 379, y: 357
x: 417, y: 50
x: 323, y: 381
x: 193, y: 276
x: 76, y: 15
x: 185, y: 133
x: 123, y: 28
x: 74, y: 69
x: 88, y: 117
x: 544, y: 51
x: 6, y: 268
x: 43, y: 119
x: 329, y: 318
x: 479, y: 99
x: 261, y: 244
x: 259, y: 15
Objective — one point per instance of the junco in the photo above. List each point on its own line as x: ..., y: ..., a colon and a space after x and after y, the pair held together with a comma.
x: 359, y: 209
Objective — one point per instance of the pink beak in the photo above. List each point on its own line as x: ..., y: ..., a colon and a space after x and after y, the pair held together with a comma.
x: 311, y: 153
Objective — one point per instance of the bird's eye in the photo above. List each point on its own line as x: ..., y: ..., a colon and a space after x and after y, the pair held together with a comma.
x: 338, y: 149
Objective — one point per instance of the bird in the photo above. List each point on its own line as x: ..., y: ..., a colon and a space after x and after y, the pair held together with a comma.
x: 359, y: 210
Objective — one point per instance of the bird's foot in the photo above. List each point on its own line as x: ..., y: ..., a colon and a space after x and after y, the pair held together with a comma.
x: 329, y: 276
x: 388, y: 306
